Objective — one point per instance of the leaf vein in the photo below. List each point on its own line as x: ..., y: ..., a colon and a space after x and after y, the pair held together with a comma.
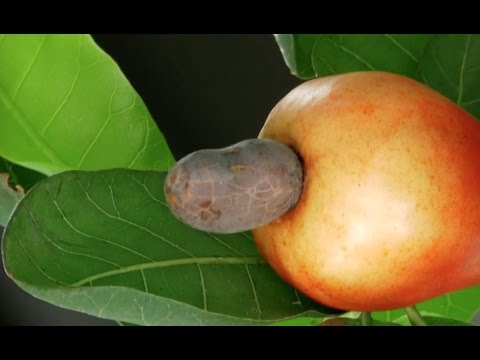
x: 144, y: 279
x: 29, y: 130
x: 69, y: 251
x: 170, y: 263
x: 247, y: 236
x: 442, y: 70
x: 147, y: 190
x: 102, y: 129
x: 69, y: 92
x: 471, y: 102
x: 462, y: 70
x: 401, y: 47
x: 99, y: 208
x: 297, y: 297
x: 255, y: 295
x: 145, y: 144
x: 424, y: 79
x: 29, y: 68
x: 351, y: 53
x: 204, y: 289
x: 142, y: 314
x: 107, y: 304
x: 40, y: 270
x: 225, y: 244
x: 313, y: 57
x: 474, y: 68
x: 110, y: 187
x: 78, y: 231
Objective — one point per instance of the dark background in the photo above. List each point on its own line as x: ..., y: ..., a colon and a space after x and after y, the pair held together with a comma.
x: 204, y: 91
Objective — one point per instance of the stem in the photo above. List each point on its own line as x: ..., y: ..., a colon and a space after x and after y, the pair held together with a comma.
x: 414, y: 316
x: 366, y: 318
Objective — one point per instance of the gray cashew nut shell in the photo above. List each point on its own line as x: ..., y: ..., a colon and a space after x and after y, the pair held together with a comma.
x: 237, y: 188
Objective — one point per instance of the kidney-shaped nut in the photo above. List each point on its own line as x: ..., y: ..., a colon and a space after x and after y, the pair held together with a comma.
x: 237, y: 188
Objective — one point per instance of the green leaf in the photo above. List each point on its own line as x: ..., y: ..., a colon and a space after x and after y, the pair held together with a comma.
x: 296, y: 51
x: 441, y: 321
x: 106, y: 244
x: 65, y: 104
x: 8, y: 199
x: 451, y: 65
x: 461, y: 305
x: 314, y: 55
x: 433, y: 319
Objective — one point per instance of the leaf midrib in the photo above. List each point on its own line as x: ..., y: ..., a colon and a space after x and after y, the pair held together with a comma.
x: 175, y: 262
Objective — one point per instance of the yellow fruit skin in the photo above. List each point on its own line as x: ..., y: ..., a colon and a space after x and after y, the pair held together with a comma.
x: 390, y: 211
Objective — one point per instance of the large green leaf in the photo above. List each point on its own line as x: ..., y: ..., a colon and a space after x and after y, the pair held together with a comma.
x: 432, y: 319
x: 451, y: 65
x: 65, y: 104
x: 441, y: 321
x: 313, y: 55
x: 106, y: 244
